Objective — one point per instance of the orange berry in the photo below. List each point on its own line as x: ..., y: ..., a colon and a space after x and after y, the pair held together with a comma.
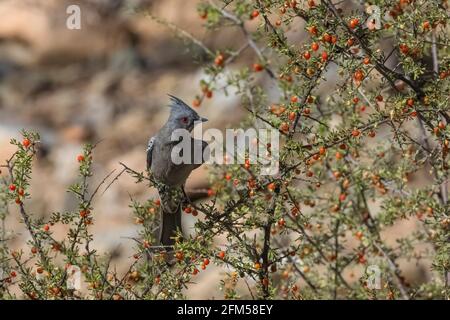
x: 326, y: 37
x: 313, y: 30
x: 356, y: 133
x: 218, y: 61
x: 254, y: 14
x: 292, y: 116
x: 179, y: 255
x: 271, y: 186
x: 80, y: 158
x: 322, y: 150
x: 196, y: 103
x: 26, y: 142
x: 221, y: 254
x: 410, y: 102
x: 257, y: 67
x: 188, y: 210
x: 314, y: 46
x: 284, y: 127
x: 358, y: 75
x: 359, y: 235
x: 84, y: 213
x: 354, y: 23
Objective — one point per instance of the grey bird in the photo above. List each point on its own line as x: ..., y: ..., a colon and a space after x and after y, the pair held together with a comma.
x: 170, y: 177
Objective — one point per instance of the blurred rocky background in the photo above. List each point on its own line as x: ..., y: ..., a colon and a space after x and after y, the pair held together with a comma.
x: 107, y: 83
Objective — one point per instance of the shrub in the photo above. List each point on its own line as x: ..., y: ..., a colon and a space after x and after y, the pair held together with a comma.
x: 307, y: 232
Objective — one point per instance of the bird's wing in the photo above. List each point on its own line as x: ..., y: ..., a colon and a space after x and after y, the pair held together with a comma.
x: 150, y: 145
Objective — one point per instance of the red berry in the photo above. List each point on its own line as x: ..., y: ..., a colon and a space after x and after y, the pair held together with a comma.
x: 354, y: 23
x: 410, y: 102
x: 179, y: 255
x: 219, y: 60
x: 314, y: 46
x: 80, y: 158
x: 313, y: 30
x: 292, y: 116
x: 21, y: 192
x: 46, y: 227
x: 359, y: 75
x: 188, y: 210
x: 254, y: 14
x: 84, y: 213
x: 12, y: 187
x: 307, y: 55
x: 356, y: 132
x: 26, y: 143
x: 404, y: 48
x: 206, y: 261
x: 324, y: 56
x: 326, y: 37
x: 322, y: 150
x: 221, y: 254
x: 257, y: 67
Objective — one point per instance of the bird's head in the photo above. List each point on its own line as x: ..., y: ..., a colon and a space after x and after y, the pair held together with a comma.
x: 182, y: 116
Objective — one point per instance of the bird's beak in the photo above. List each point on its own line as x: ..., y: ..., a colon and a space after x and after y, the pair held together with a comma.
x: 203, y: 119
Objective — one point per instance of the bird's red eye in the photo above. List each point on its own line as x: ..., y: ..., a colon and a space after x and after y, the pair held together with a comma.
x: 184, y: 119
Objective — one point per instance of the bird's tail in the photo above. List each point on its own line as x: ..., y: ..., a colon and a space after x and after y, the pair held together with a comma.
x: 171, y: 225
x: 171, y: 199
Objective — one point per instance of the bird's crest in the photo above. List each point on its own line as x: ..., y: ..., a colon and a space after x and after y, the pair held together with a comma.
x: 177, y: 103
